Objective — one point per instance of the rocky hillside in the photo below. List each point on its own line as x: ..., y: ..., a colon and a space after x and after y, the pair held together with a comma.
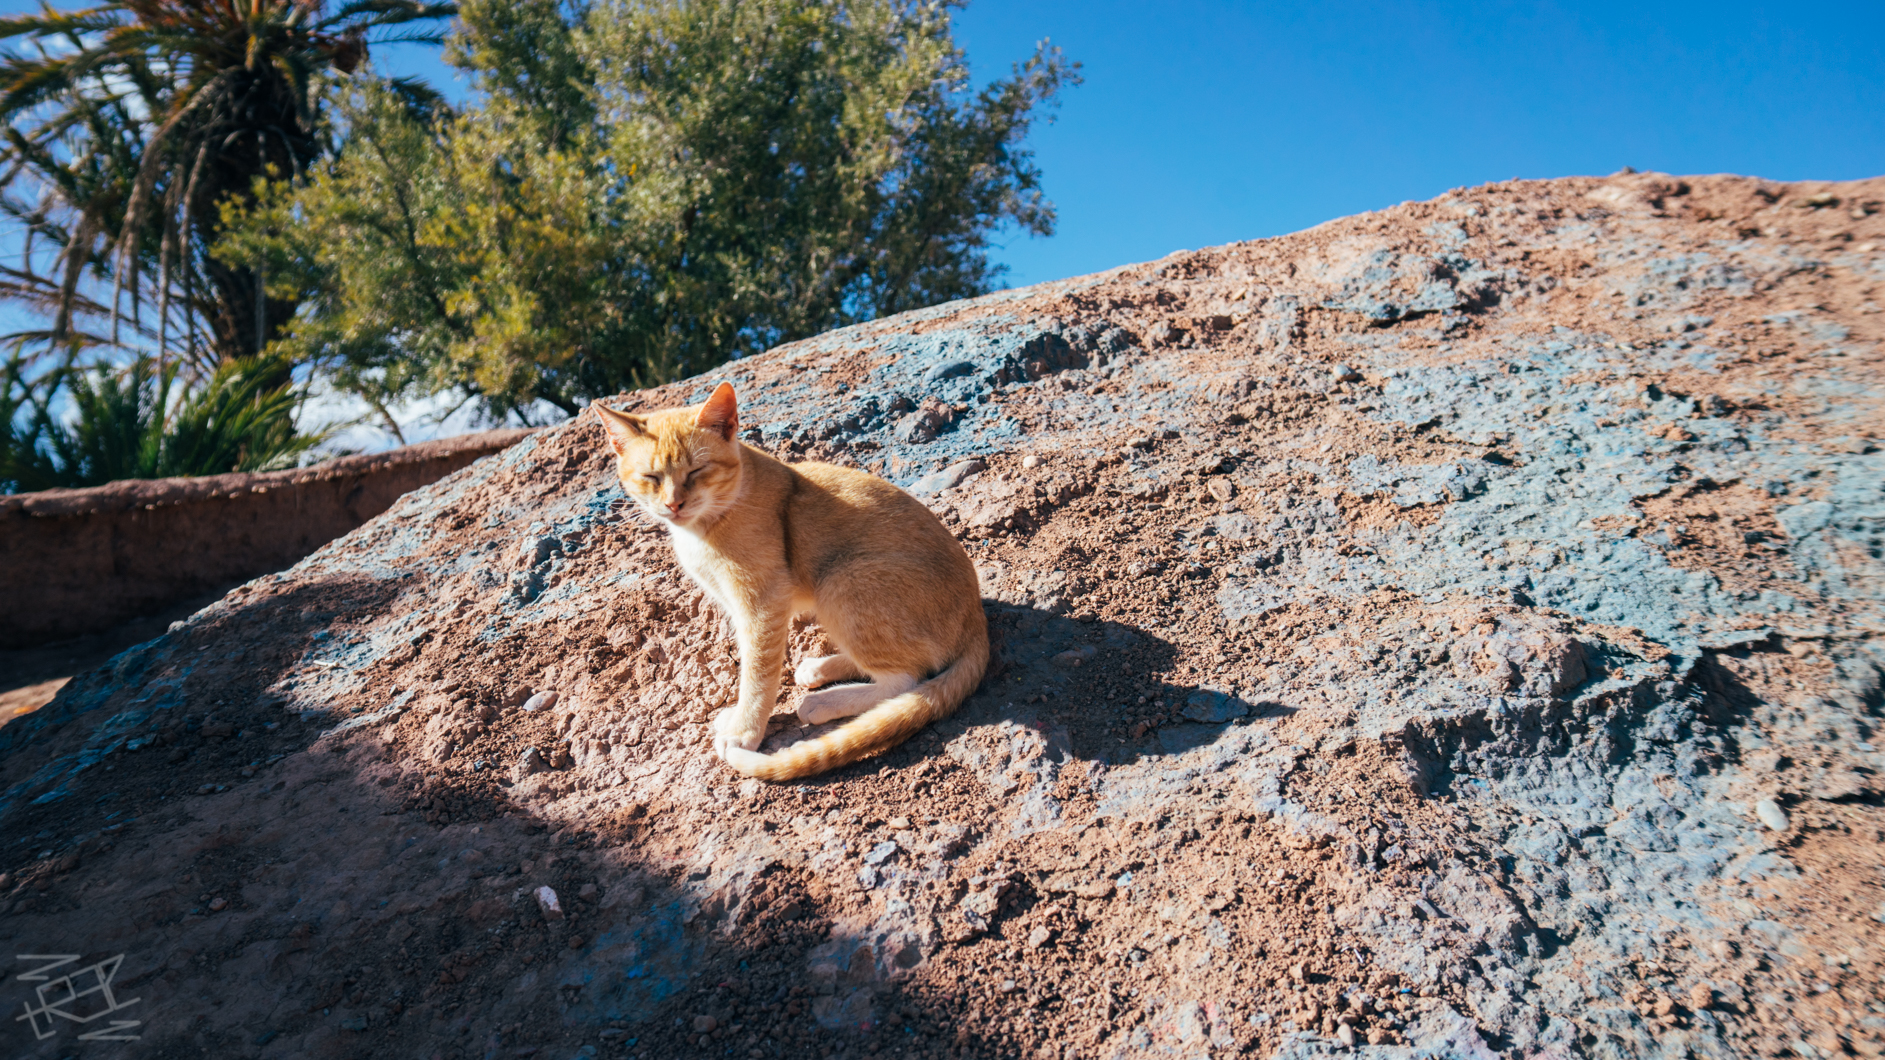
x: 1453, y: 630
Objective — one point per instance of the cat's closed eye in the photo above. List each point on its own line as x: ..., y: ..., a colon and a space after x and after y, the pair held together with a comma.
x: 689, y: 480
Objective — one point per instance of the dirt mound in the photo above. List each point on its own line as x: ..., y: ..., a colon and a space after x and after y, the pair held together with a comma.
x: 1453, y: 630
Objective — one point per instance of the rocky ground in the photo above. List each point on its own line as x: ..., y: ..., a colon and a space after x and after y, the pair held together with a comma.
x: 1449, y: 631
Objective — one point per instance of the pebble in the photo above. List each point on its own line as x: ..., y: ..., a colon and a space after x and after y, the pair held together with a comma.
x: 705, y: 1024
x: 1700, y: 997
x: 1346, y: 1035
x: 217, y: 905
x: 529, y: 761
x: 880, y: 853
x: 948, y: 478
x: 1073, y: 657
x: 541, y: 701
x: 1344, y: 374
x: 547, y: 901
x: 898, y: 822
x: 1039, y: 937
x: 1771, y: 815
x: 948, y: 370
x: 1031, y: 461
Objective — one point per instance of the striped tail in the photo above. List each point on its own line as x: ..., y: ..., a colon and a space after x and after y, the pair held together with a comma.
x: 878, y: 729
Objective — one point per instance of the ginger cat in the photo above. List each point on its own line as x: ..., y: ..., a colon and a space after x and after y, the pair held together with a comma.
x: 767, y: 541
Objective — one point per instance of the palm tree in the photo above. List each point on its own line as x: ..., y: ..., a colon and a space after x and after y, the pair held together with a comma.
x: 131, y: 125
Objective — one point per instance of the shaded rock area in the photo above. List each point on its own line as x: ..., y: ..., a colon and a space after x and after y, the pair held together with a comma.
x: 1449, y: 631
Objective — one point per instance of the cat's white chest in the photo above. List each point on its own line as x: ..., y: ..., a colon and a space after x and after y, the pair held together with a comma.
x: 700, y: 561
x: 695, y: 555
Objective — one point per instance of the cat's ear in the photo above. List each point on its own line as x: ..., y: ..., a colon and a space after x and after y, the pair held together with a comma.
x: 721, y: 413
x: 622, y: 427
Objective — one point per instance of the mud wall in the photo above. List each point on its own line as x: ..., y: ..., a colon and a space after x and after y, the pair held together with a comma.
x: 81, y: 560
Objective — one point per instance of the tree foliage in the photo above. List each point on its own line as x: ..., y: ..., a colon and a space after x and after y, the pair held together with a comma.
x: 129, y: 124
x: 647, y: 188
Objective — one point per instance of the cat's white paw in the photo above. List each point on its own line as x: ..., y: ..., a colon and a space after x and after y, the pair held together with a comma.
x: 813, y: 671
x: 813, y: 711
x: 808, y: 673
x: 730, y: 734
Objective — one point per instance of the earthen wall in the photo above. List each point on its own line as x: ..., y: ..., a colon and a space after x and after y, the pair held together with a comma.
x: 76, y: 561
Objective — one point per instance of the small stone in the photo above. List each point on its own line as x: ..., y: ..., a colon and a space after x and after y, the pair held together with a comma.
x: 948, y: 478
x: 1298, y: 972
x: 1039, y: 937
x: 948, y: 370
x: 217, y: 905
x: 547, y: 901
x: 528, y: 762
x: 1073, y: 657
x: 588, y: 890
x: 1346, y: 1035
x: 881, y: 852
x: 1344, y: 374
x: 1222, y: 489
x: 541, y: 701
x: 1007, y: 986
x: 1771, y: 815
x: 1032, y: 461
x: 1663, y: 1006
x: 575, y: 942
x: 705, y: 1024
x: 898, y: 822
x: 1701, y: 997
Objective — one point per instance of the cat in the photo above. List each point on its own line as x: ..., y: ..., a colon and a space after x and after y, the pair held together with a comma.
x: 767, y: 541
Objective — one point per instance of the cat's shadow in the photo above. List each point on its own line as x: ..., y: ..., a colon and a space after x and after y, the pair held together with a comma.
x: 1096, y: 688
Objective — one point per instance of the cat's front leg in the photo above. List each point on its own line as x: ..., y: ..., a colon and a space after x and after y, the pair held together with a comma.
x: 762, y: 658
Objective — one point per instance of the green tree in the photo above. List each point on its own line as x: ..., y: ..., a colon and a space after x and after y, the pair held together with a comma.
x: 127, y: 126
x: 645, y: 189
x: 129, y: 123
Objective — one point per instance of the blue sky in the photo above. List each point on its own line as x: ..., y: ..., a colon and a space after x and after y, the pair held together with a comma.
x: 1206, y: 122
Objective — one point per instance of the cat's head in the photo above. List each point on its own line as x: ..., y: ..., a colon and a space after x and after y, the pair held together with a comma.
x: 681, y: 465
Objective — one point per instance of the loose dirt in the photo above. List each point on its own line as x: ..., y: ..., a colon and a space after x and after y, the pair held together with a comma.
x: 1453, y: 630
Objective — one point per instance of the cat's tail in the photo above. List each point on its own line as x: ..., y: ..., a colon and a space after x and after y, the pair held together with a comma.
x: 878, y: 729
